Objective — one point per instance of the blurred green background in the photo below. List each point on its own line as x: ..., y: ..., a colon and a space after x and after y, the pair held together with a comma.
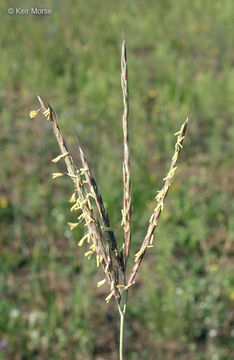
x: 180, y: 58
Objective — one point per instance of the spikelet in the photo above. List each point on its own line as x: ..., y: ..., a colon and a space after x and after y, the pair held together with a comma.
x: 159, y: 195
x: 123, y: 222
x: 170, y: 174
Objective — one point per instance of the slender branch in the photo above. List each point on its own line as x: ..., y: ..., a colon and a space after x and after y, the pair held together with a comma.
x: 153, y: 222
x: 101, y: 208
x: 88, y: 214
x: 126, y: 162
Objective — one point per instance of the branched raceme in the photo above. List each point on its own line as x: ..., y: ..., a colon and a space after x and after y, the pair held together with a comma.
x: 88, y: 205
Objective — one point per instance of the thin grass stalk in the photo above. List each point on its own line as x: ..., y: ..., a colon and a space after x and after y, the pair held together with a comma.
x: 101, y: 208
x: 148, y: 241
x: 122, y: 313
x: 89, y: 216
x: 126, y: 213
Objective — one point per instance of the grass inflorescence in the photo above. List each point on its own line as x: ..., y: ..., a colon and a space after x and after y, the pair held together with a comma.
x: 87, y: 204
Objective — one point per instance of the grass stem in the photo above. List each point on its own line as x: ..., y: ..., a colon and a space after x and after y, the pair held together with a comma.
x: 122, y: 325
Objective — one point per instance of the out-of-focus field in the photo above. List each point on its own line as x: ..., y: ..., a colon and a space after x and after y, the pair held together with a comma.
x: 180, y: 57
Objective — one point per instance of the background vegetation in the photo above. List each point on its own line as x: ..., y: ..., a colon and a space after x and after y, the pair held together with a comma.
x: 180, y: 57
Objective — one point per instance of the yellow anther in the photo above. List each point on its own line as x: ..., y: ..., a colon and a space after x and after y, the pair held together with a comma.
x: 80, y: 217
x: 149, y: 247
x: 47, y: 114
x: 90, y: 218
x: 75, y: 207
x: 72, y: 225
x: 93, y: 247
x: 106, y: 228
x: 83, y: 171
x: 81, y: 242
x: 100, y: 283
x: 33, y: 114
x: 88, y: 254
x: 139, y: 253
x: 106, y: 268
x: 124, y: 217
x: 60, y: 157
x: 73, y: 198
x: 89, y: 204
x: 108, y: 298
x: 128, y: 286
x: 56, y: 175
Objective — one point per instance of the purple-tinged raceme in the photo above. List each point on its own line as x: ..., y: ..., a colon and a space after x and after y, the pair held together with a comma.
x: 126, y: 212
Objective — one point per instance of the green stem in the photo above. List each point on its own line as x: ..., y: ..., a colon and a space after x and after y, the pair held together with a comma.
x: 121, y: 336
x: 122, y: 323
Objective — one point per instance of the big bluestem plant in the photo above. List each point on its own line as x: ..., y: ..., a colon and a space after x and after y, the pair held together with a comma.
x: 87, y: 203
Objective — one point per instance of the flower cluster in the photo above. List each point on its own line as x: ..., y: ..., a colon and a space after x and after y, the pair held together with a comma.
x: 87, y: 203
